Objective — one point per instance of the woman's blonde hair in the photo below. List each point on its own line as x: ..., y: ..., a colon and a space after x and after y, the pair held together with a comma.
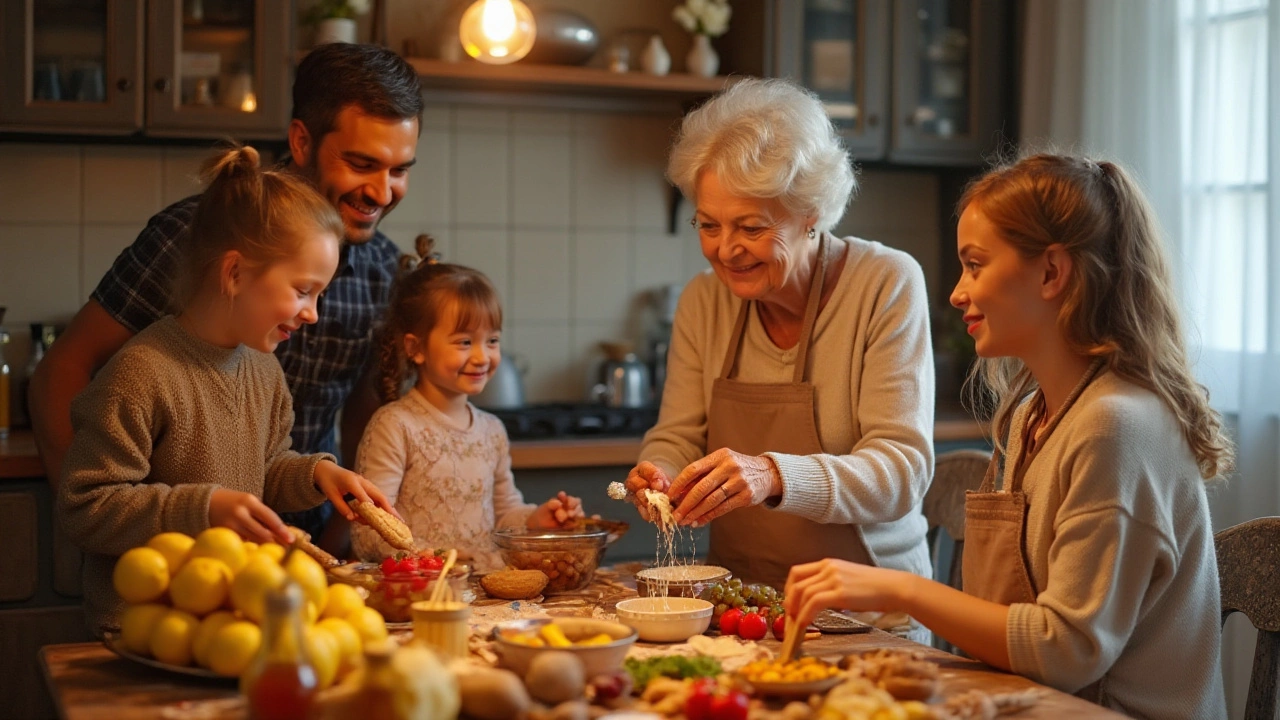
x: 418, y: 300
x: 1119, y: 304
x: 767, y: 139
x: 262, y: 214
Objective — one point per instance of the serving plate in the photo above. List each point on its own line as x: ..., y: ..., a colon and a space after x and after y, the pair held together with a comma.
x: 113, y: 643
x: 797, y: 690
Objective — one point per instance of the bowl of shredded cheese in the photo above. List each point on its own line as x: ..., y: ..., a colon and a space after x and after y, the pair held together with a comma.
x: 678, y: 580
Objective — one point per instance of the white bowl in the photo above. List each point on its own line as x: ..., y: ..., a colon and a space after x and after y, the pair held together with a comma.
x: 666, y: 619
x: 596, y: 659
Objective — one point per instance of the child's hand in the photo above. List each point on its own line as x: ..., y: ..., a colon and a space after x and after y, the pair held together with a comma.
x: 248, y: 516
x: 560, y: 511
x: 337, y: 482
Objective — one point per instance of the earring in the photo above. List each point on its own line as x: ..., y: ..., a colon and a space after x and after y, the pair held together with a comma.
x: 812, y: 233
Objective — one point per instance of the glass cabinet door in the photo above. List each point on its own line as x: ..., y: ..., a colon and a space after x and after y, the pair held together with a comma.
x: 947, y: 94
x: 71, y: 65
x: 219, y: 67
x: 842, y: 55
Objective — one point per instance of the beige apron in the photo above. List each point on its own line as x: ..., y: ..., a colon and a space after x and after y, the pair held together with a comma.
x: 753, y: 543
x: 995, y: 564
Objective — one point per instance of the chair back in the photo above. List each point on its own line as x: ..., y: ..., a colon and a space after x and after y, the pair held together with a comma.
x: 1249, y: 575
x: 954, y: 473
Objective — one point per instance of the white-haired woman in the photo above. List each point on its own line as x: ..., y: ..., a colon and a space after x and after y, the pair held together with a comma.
x: 797, y: 416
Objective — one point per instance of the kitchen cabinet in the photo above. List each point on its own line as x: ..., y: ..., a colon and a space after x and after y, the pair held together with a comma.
x: 176, y: 68
x: 919, y: 82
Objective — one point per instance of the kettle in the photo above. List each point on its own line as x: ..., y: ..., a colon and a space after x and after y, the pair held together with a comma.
x: 505, y: 389
x: 624, y: 380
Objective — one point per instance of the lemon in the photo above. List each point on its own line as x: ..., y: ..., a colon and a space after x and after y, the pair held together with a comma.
x: 310, y: 577
x: 275, y: 551
x: 343, y: 600
x: 141, y: 575
x: 325, y: 654
x: 368, y: 623
x: 201, y: 586
x: 172, y: 637
x: 309, y: 613
x: 251, y: 585
x: 204, y: 635
x: 350, y: 647
x: 221, y: 544
x: 233, y: 647
x: 136, y: 624
x: 175, y: 547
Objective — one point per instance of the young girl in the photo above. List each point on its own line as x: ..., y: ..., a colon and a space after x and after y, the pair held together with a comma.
x: 187, y: 427
x: 445, y: 465
x: 1089, y: 560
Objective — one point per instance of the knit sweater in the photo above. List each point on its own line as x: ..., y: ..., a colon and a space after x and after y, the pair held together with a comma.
x: 1121, y: 551
x: 871, y: 365
x: 166, y: 422
x: 451, y: 483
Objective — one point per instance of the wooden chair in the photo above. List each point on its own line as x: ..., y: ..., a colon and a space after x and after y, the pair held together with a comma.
x: 1249, y: 574
x: 954, y: 473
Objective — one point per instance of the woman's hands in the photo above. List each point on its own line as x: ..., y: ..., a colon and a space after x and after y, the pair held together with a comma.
x: 248, y: 516
x: 560, y: 511
x: 721, y: 483
x: 831, y: 583
x: 646, y: 476
x: 337, y: 482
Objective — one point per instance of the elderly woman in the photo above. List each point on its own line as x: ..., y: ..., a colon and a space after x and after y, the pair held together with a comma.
x: 801, y: 363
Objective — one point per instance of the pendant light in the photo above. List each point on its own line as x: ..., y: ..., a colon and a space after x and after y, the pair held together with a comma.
x: 497, y: 31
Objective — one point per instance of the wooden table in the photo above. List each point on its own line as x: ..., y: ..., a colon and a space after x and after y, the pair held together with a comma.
x: 89, y: 682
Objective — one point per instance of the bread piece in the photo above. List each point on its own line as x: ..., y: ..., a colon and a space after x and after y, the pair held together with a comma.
x: 302, y: 540
x: 514, y: 584
x: 395, y: 532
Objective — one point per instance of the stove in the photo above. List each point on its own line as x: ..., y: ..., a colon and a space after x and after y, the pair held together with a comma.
x: 561, y: 420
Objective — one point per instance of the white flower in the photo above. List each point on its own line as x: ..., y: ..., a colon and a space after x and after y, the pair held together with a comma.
x: 359, y: 7
x: 696, y: 7
x: 686, y: 19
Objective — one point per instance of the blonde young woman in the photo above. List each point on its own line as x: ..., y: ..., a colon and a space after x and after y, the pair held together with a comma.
x: 1089, y: 561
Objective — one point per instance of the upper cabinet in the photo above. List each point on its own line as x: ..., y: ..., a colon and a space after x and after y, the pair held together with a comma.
x: 908, y: 81
x: 188, y: 68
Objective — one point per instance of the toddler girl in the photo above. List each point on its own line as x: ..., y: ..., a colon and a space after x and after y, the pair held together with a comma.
x: 1090, y: 539
x: 187, y: 427
x: 444, y: 464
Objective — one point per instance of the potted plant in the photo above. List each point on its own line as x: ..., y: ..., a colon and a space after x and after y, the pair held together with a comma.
x: 705, y: 19
x: 335, y: 20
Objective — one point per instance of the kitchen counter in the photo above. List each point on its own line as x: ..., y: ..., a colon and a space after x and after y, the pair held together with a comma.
x: 19, y: 458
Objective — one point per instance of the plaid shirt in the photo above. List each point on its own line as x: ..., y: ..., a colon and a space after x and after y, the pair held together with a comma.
x: 321, y: 362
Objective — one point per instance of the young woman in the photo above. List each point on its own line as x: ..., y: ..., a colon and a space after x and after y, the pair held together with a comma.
x: 1089, y: 561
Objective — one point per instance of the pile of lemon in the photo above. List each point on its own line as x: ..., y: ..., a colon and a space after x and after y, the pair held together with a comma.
x: 201, y: 601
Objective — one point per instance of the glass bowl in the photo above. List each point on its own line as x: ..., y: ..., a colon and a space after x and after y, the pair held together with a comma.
x: 393, y: 595
x: 569, y: 558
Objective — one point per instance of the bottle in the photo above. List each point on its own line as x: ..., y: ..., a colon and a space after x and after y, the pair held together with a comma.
x: 281, y: 682
x: 5, y: 379
x: 376, y: 698
x: 39, y: 344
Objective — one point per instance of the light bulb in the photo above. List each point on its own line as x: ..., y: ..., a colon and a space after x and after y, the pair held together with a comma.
x: 497, y: 31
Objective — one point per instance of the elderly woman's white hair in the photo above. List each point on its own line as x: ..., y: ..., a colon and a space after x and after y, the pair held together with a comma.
x: 767, y: 139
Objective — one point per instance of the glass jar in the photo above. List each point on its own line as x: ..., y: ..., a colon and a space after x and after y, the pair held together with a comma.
x: 281, y: 682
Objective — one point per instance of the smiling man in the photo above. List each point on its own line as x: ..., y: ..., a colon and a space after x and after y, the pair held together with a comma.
x: 354, y: 135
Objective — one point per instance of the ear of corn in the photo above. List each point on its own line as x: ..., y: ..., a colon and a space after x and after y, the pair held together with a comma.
x: 388, y: 526
x: 302, y: 540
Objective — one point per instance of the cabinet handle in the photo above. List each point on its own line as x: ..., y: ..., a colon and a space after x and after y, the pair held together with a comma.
x: 163, y: 85
x: 873, y: 120
x: 124, y: 84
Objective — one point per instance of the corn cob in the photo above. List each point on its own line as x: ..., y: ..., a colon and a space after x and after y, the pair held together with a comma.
x: 302, y: 540
x: 388, y: 526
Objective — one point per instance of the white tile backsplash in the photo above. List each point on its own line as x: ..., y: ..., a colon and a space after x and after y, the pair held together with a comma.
x: 565, y: 211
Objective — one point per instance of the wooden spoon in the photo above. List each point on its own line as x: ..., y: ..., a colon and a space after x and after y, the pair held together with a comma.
x: 437, y: 592
x: 791, y: 640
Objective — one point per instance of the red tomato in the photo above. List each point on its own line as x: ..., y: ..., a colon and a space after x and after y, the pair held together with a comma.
x: 405, y: 566
x: 729, y: 621
x: 780, y: 627
x: 388, y: 566
x: 732, y: 705
x: 698, y: 705
x: 752, y: 626
x: 435, y: 562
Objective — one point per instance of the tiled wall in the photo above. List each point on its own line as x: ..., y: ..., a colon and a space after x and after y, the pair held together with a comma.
x: 566, y: 212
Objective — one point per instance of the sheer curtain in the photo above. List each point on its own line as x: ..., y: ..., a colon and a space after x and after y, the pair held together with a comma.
x: 1181, y: 93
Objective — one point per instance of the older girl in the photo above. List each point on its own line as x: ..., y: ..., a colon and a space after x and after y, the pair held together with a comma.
x: 188, y: 426
x: 445, y: 464
x: 1089, y: 561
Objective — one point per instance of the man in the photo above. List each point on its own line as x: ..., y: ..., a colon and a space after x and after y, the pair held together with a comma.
x: 354, y: 134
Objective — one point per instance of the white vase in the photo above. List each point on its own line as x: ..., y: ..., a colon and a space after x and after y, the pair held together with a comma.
x: 336, y: 30
x: 656, y: 60
x: 702, y: 58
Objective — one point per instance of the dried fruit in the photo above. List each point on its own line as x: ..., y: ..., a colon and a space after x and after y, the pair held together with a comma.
x: 514, y: 584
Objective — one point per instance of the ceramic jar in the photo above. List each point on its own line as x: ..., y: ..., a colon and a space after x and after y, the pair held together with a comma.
x: 702, y: 59
x: 656, y: 60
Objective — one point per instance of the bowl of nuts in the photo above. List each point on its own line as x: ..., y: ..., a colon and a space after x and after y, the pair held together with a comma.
x: 568, y: 557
